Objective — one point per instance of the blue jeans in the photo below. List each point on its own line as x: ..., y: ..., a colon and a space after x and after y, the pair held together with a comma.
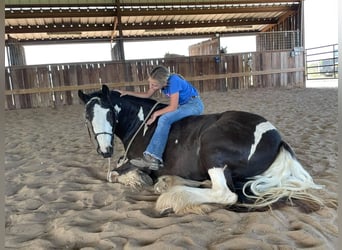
x: 158, y: 142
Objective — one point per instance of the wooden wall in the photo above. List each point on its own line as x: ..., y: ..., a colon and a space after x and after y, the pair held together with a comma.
x: 209, y: 47
x: 57, y: 84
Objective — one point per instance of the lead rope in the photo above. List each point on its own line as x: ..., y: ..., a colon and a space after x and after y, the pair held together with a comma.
x: 109, y: 176
x: 124, y: 159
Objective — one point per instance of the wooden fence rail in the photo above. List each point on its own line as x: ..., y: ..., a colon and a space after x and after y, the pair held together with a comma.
x: 57, y: 84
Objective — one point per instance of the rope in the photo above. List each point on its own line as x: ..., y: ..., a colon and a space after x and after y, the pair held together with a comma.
x: 124, y: 159
x: 109, y: 172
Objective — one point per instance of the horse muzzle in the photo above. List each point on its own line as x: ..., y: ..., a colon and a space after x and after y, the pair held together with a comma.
x: 107, y: 154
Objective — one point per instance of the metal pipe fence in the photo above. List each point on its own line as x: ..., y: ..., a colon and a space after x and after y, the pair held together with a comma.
x: 322, y: 62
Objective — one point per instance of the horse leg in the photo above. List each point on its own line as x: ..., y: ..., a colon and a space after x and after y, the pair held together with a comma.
x: 130, y: 176
x: 184, y: 199
x: 165, y: 182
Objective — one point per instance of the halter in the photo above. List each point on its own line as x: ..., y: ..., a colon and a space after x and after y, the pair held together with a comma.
x: 103, y: 133
x: 100, y: 133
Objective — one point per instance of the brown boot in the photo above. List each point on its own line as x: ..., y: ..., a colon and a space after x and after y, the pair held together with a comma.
x: 147, y: 161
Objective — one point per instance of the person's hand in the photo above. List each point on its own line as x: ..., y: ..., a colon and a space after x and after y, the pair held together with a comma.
x: 152, y: 119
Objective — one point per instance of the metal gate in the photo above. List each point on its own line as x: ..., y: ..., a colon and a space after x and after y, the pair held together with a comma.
x: 322, y: 62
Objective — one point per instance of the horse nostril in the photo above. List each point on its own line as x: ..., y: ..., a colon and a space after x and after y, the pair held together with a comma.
x: 110, y: 150
x: 107, y: 155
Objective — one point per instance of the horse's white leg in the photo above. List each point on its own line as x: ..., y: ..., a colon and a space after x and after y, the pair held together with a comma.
x: 165, y: 182
x: 220, y: 190
x: 183, y: 198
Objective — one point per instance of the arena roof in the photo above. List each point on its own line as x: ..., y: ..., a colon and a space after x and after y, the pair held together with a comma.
x: 40, y: 21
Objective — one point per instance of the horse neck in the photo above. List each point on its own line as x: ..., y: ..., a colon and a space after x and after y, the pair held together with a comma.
x: 130, y: 117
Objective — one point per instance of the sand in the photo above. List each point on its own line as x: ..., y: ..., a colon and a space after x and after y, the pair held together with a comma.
x: 57, y: 196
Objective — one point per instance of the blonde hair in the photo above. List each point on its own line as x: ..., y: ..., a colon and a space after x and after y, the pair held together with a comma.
x: 160, y: 73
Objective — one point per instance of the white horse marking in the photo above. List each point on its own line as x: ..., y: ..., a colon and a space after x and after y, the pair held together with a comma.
x: 117, y: 109
x: 220, y: 191
x: 100, y: 125
x: 260, y: 129
x: 141, y: 114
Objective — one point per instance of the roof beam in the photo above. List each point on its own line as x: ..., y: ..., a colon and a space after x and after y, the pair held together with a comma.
x: 169, y: 11
x: 58, y: 28
x: 198, y: 24
x: 143, y: 37
x: 208, y: 2
x: 205, y: 11
x: 77, y: 27
x: 187, y: 35
x: 58, y: 13
x: 160, y: 3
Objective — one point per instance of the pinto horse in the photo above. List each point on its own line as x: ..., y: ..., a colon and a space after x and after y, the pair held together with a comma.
x: 242, y: 154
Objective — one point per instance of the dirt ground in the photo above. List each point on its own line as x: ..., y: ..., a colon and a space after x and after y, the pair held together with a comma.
x: 57, y: 196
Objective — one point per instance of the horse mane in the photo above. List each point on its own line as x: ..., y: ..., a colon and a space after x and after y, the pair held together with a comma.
x: 138, y: 101
x: 145, y: 102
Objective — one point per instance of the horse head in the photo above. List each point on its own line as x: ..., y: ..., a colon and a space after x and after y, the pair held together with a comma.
x: 100, y: 118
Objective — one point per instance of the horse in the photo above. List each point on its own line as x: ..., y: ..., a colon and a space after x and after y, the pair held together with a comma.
x: 233, y: 158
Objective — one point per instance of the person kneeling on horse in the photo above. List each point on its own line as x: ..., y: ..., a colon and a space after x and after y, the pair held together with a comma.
x: 184, y: 101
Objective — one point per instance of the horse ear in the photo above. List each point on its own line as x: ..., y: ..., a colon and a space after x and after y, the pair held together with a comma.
x: 106, y: 92
x: 84, y: 97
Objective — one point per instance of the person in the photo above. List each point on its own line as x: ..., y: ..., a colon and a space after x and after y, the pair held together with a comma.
x: 184, y: 100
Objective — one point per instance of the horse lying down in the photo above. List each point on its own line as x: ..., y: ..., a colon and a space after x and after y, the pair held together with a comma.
x: 242, y: 154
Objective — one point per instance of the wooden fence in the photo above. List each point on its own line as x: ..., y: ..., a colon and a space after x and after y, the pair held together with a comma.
x: 57, y: 84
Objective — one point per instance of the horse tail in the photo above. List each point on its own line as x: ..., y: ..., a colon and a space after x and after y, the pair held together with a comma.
x: 285, y: 178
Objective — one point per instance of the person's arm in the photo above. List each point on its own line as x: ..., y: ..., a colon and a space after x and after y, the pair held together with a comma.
x: 173, y: 105
x: 146, y: 94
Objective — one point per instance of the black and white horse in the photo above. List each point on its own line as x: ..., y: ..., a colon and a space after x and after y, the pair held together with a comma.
x: 241, y: 153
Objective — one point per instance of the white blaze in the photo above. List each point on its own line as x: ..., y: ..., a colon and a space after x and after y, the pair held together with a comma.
x: 100, y: 125
x: 260, y: 129
x: 141, y: 114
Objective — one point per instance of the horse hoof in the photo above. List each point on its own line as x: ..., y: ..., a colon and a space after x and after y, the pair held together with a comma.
x: 160, y: 188
x: 232, y: 199
x: 166, y: 211
x: 112, y: 176
x: 163, y: 184
x: 145, y: 178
